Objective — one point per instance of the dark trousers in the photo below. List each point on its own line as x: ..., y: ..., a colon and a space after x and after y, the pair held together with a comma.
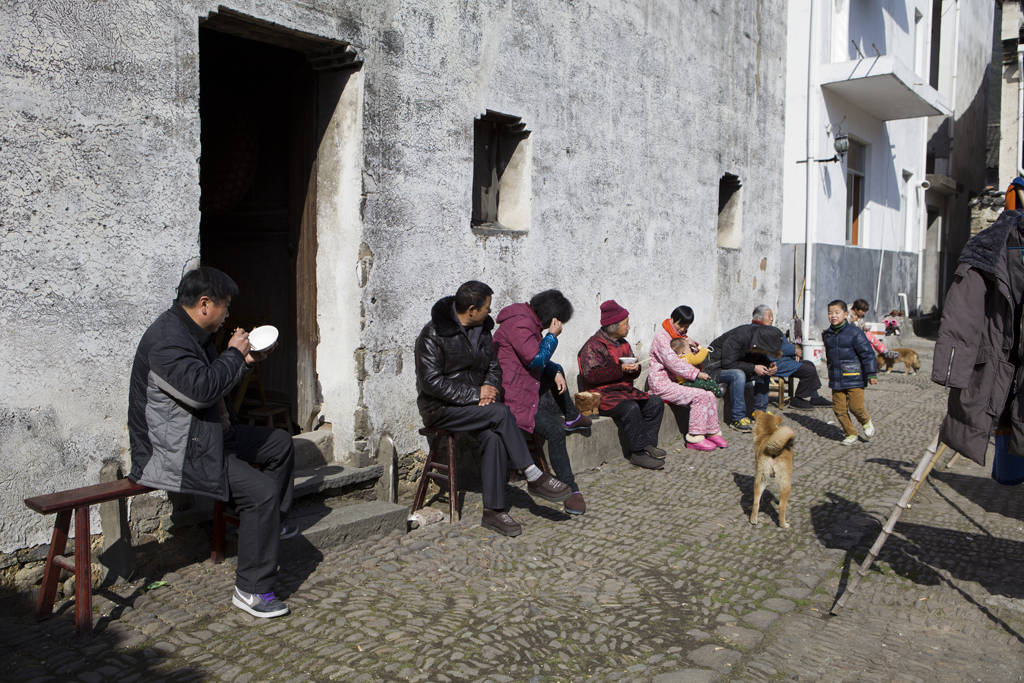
x: 501, y: 445
x: 553, y: 411
x: 638, y: 421
x: 260, y: 495
x: 809, y: 380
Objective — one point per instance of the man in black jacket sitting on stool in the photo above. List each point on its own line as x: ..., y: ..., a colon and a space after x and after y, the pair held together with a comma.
x: 182, y: 438
x: 459, y: 383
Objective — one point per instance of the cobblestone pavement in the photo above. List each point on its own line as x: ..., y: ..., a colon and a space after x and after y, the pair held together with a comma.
x: 663, y: 579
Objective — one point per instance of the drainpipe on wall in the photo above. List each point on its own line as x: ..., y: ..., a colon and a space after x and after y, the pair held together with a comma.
x: 1020, y: 105
x: 809, y: 155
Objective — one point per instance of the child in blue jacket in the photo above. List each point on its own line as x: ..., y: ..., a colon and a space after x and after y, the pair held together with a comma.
x: 851, y: 365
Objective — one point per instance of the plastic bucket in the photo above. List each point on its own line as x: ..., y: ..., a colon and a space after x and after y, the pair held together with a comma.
x: 814, y: 351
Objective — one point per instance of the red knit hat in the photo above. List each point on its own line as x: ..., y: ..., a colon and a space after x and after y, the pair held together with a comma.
x: 612, y: 313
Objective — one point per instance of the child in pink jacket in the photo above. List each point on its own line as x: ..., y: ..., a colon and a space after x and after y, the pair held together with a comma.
x: 666, y: 367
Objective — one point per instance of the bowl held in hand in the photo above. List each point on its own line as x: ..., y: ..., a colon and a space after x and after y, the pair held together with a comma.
x: 262, y: 338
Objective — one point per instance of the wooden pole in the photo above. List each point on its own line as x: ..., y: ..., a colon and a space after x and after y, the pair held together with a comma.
x: 927, y: 471
x: 931, y: 454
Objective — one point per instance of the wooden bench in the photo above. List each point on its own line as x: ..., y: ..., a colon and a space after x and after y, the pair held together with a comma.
x: 80, y: 500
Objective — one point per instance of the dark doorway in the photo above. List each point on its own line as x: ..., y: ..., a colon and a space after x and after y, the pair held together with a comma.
x: 267, y: 95
x: 258, y: 108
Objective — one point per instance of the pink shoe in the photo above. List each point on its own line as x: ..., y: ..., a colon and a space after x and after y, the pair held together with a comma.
x: 717, y: 440
x: 704, y: 444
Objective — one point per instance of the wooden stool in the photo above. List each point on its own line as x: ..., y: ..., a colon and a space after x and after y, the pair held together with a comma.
x: 782, y: 385
x: 269, y: 413
x: 536, y: 447
x: 440, y: 469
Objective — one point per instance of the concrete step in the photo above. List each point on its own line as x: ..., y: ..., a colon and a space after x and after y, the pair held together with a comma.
x: 313, y: 449
x: 326, y: 527
x: 314, y: 480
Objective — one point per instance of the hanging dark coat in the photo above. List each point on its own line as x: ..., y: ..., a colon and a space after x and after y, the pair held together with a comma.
x: 977, y: 354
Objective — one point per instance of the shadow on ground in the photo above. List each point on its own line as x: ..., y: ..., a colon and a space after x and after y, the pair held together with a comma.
x: 923, y: 553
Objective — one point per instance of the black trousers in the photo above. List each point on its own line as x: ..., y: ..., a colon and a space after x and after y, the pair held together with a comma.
x: 260, y: 495
x: 638, y: 421
x: 501, y: 445
x: 553, y: 410
x: 809, y: 380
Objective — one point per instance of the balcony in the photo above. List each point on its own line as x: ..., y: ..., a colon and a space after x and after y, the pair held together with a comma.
x: 884, y: 87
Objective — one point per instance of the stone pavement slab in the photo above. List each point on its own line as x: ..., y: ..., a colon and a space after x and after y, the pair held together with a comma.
x: 663, y: 579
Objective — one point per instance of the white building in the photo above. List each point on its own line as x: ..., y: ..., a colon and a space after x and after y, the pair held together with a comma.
x: 863, y: 78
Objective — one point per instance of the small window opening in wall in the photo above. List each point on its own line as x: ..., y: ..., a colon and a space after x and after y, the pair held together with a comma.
x: 730, y: 211
x: 501, y: 173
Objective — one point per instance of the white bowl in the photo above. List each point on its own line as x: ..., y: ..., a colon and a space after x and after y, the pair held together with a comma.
x: 627, y: 360
x: 262, y: 338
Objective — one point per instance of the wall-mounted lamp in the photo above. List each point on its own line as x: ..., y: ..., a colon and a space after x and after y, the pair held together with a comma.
x: 841, y: 143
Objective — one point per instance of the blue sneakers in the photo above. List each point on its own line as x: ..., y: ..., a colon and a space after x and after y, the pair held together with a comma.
x: 263, y: 605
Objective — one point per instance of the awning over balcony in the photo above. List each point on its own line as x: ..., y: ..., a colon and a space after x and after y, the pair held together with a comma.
x: 884, y: 87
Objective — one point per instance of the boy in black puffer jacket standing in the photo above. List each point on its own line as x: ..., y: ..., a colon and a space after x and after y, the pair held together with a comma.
x: 851, y: 365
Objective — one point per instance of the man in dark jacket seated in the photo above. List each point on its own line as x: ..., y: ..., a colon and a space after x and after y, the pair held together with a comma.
x: 459, y: 382
x: 787, y: 364
x: 182, y: 438
x: 739, y: 355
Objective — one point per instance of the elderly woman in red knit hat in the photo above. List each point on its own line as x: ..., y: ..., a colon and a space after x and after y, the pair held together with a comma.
x: 607, y: 365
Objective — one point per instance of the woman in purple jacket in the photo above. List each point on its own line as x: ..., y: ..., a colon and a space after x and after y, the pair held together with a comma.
x: 534, y: 386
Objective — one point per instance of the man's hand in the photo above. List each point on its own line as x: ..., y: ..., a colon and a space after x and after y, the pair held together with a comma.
x: 556, y: 327
x: 560, y: 383
x: 703, y: 375
x: 240, y: 341
x: 773, y: 368
x: 257, y: 356
x: 488, y: 395
x: 873, y: 380
x: 761, y: 370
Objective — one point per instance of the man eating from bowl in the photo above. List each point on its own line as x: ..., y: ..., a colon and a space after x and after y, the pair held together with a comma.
x: 609, y: 366
x: 182, y: 439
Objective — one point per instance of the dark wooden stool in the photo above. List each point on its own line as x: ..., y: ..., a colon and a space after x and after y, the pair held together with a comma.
x: 536, y: 447
x: 80, y: 500
x: 439, y: 468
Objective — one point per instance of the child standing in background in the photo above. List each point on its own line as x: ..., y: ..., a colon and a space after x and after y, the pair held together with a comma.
x: 851, y: 365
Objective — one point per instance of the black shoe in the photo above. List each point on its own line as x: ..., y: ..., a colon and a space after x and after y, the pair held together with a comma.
x: 744, y: 424
x: 642, y: 459
x: 801, y: 404
x: 288, y: 529
x: 500, y: 521
x: 655, y: 452
x: 549, y: 488
x: 820, y: 402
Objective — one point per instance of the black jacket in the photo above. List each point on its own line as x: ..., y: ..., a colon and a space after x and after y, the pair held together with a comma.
x: 449, y: 369
x: 733, y: 348
x: 174, y: 407
x: 851, y: 361
x: 979, y: 351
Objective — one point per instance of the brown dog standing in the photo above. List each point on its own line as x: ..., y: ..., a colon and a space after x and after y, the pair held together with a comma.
x: 773, y: 458
x: 908, y: 356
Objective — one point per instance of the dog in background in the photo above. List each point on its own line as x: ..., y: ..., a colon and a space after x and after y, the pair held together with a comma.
x: 773, y: 459
x: 908, y: 356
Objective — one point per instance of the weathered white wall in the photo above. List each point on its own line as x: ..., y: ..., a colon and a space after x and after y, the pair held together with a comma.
x: 637, y: 108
